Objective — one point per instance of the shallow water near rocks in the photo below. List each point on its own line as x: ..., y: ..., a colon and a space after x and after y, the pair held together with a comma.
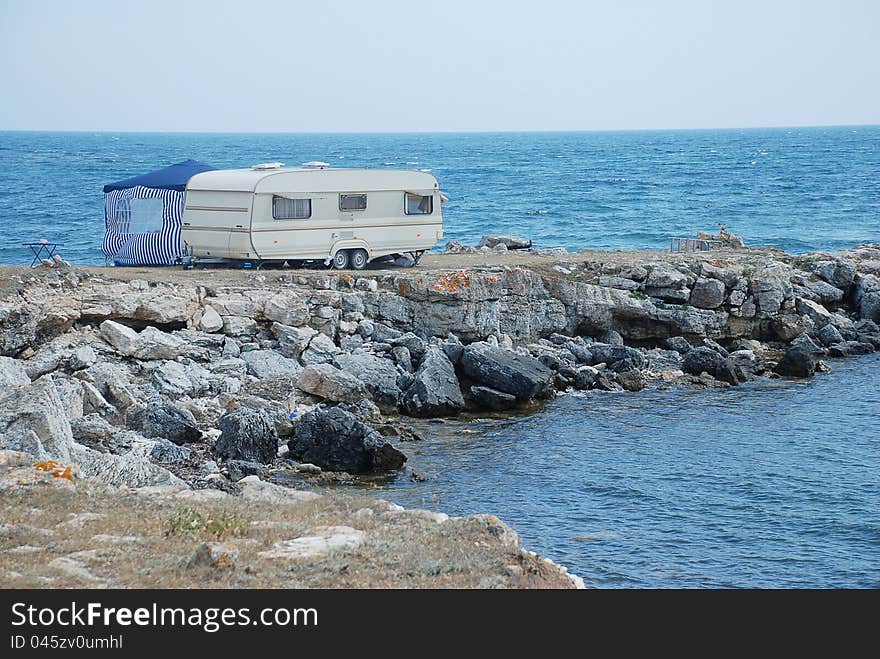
x: 771, y: 484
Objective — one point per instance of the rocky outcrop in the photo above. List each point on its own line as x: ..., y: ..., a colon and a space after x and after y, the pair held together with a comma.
x: 335, y: 439
x: 380, y: 376
x: 705, y: 360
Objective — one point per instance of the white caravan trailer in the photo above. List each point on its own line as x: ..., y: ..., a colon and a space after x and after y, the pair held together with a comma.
x: 346, y: 217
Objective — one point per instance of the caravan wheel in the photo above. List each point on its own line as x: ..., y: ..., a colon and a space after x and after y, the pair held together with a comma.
x: 359, y: 259
x: 340, y: 261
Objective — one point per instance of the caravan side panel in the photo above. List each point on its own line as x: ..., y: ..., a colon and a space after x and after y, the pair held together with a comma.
x: 216, y: 224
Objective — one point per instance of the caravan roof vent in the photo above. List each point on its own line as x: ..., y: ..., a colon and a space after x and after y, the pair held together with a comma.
x: 316, y: 164
x: 268, y: 165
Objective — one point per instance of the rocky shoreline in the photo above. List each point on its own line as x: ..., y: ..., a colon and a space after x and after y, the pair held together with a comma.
x: 199, y: 379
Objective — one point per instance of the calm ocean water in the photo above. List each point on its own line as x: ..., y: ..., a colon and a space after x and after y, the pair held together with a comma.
x: 772, y: 484
x: 798, y: 189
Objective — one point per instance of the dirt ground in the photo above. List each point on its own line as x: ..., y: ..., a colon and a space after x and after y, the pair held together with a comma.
x: 11, y: 277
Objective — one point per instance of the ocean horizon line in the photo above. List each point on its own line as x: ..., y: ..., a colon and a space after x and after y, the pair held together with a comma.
x: 81, y: 131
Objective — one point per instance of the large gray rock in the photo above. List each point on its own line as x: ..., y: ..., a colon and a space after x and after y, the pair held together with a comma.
x: 129, y: 470
x: 328, y: 382
x: 492, y: 399
x: 825, y: 292
x: 510, y: 242
x: 521, y: 376
x: 379, y: 375
x: 160, y: 418
x: 33, y: 420
x: 337, y: 440
x: 705, y: 360
x: 838, y: 273
x: 829, y: 335
x: 867, y: 297
x: 818, y: 314
x: 270, y: 364
x: 287, y: 309
x: 12, y: 373
x: 435, y: 390
x: 151, y: 343
x: 247, y: 434
x: 799, y: 361
x: 707, y: 293
x: 292, y: 340
x: 603, y: 353
x: 321, y: 350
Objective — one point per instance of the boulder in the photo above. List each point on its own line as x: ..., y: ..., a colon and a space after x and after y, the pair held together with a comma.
x: 33, y: 420
x: 83, y: 357
x: 849, y: 348
x: 238, y: 469
x: 602, y: 353
x: 510, y: 242
x: 707, y: 293
x: 705, y: 360
x: 838, y: 273
x: 378, y: 375
x: 160, y: 418
x: 434, y: 390
x: 247, y: 434
x: 94, y: 432
x: 829, y: 335
x: 321, y: 350
x: 663, y: 277
x: 825, y: 292
x: 292, y: 340
x: 239, y: 325
x: 521, y: 376
x: 413, y: 343
x: 492, y: 399
x: 151, y: 343
x: 270, y: 364
x: 12, y: 373
x: 632, y: 380
x: 328, y: 382
x: 165, y: 451
x: 814, y: 311
x: 210, y: 320
x: 678, y: 343
x: 797, y: 362
x: 337, y: 440
x: 287, y: 309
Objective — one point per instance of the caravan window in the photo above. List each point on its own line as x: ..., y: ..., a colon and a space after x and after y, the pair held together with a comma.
x: 291, y: 209
x: 143, y: 215
x: 352, y: 202
x: 417, y: 204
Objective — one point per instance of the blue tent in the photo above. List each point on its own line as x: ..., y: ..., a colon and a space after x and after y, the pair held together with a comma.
x: 143, y: 214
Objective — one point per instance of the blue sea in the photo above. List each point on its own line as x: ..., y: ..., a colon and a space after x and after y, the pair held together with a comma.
x: 773, y: 484
x: 798, y: 189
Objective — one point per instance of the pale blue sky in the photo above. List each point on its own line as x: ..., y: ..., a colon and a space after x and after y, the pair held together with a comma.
x: 270, y: 65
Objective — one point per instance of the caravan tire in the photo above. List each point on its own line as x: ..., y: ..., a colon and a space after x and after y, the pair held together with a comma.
x: 359, y: 259
x: 340, y: 261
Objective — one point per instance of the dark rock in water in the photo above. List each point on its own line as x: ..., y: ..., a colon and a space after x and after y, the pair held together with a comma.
x: 238, y: 469
x: 705, y: 360
x: 581, y: 351
x: 510, y: 242
x: 585, y: 378
x: 848, y: 348
x: 804, y: 341
x: 337, y: 440
x: 165, y: 451
x: 632, y: 380
x: 492, y: 399
x: 435, y: 390
x: 797, y: 362
x: 606, y: 382
x: 504, y: 370
x: 163, y: 419
x: 247, y: 434
x: 679, y: 344
x: 609, y: 354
